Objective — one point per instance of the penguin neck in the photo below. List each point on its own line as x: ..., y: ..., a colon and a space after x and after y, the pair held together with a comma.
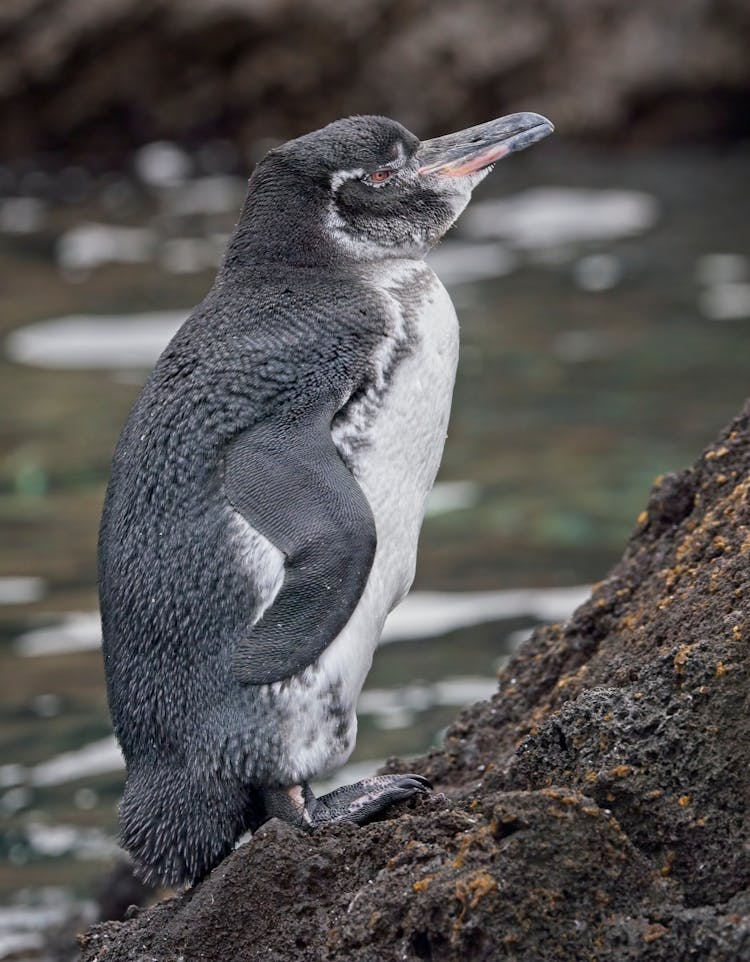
x: 280, y: 224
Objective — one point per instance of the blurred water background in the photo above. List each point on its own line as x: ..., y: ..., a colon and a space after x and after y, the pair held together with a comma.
x: 603, y: 288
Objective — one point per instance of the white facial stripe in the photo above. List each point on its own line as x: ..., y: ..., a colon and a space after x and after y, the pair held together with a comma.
x: 341, y: 176
x: 360, y: 248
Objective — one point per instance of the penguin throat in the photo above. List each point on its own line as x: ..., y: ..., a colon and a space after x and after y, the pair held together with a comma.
x: 367, y: 247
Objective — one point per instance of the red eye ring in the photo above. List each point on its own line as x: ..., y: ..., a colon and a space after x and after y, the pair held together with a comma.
x: 380, y: 176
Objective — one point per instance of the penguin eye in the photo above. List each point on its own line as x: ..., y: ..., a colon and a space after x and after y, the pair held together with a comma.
x: 380, y: 176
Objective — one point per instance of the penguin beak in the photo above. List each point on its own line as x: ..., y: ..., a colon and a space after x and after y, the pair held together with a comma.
x: 470, y: 150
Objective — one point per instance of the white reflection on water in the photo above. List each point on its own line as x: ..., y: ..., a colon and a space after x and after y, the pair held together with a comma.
x: 90, y: 245
x: 394, y: 708
x: 419, y: 697
x: 77, y: 631
x: 552, y: 216
x: 428, y: 614
x: 597, y: 272
x: 20, y: 591
x: 96, y: 758
x: 162, y: 163
x: 725, y: 279
x: 456, y: 262
x: 726, y: 302
x: 14, y: 942
x: 23, y: 924
x: 21, y: 215
x: 56, y: 840
x: 12, y: 774
x: 92, y: 341
x: 452, y: 496
x: 216, y: 194
x: 186, y: 255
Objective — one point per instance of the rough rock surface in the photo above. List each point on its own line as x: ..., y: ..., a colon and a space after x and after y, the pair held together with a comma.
x: 595, y: 809
x: 93, y: 78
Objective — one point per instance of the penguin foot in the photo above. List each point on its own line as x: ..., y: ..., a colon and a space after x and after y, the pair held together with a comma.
x: 358, y: 803
x: 364, y: 800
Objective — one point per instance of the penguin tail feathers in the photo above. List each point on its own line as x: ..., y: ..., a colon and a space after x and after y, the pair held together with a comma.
x: 177, y: 825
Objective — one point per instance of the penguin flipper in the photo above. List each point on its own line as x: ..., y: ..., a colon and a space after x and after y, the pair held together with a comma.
x: 288, y: 482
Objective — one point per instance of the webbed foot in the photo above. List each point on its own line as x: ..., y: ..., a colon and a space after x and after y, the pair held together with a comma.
x: 357, y: 803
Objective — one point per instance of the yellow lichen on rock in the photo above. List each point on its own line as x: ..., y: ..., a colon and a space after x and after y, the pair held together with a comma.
x: 479, y: 837
x: 654, y: 931
x: 716, y: 453
x: 620, y: 771
x: 681, y: 658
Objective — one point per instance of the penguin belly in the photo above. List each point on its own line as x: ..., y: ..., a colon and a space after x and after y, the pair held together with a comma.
x: 392, y: 439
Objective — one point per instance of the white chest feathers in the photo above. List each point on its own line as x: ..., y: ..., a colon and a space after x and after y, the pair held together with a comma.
x: 393, y: 437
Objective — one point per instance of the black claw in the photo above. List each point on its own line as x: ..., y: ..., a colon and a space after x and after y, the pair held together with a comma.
x: 413, y: 783
x: 420, y: 782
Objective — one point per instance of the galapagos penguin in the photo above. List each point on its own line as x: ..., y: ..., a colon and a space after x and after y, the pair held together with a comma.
x: 267, y: 491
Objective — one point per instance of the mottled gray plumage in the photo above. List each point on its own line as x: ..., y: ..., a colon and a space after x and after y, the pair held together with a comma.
x: 237, y: 539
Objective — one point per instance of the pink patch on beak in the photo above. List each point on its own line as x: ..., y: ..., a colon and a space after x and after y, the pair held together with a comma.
x: 466, y: 165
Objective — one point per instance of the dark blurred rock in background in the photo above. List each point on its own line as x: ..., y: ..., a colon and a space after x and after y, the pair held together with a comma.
x: 94, y: 78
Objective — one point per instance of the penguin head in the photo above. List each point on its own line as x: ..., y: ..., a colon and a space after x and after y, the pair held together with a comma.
x: 365, y: 188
